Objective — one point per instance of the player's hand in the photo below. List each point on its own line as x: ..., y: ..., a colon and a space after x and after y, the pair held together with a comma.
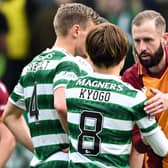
x: 158, y: 103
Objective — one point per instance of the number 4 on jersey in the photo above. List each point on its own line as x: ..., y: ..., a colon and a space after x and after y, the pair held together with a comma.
x: 33, y: 108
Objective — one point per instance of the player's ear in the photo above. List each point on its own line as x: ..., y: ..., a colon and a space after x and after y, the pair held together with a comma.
x: 75, y: 30
x: 165, y: 39
x: 134, y: 54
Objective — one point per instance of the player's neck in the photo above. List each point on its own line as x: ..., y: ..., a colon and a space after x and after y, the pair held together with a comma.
x: 108, y: 71
x: 66, y: 44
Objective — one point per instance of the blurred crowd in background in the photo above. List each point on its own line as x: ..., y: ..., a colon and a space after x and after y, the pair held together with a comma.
x: 26, y: 29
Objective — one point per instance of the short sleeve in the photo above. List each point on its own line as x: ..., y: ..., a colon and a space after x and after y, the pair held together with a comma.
x: 67, y: 70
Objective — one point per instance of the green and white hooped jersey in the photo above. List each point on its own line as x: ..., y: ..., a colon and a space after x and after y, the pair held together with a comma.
x: 102, y: 111
x: 34, y: 93
x: 85, y: 67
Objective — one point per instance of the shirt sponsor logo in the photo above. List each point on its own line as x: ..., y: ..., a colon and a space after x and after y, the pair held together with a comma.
x: 99, y: 84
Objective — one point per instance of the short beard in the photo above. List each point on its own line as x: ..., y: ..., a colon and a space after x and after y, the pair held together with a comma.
x: 155, y: 58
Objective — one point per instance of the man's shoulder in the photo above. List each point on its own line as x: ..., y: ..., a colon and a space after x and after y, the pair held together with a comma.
x: 84, y: 64
x: 133, y: 70
x: 50, y: 54
x: 132, y: 76
x: 46, y: 60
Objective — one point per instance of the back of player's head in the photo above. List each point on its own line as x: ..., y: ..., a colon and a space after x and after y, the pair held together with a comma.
x: 73, y: 13
x: 107, y: 45
x: 101, y: 20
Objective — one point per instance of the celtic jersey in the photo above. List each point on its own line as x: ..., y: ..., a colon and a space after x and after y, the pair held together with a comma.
x: 102, y: 111
x: 34, y: 93
x: 84, y: 65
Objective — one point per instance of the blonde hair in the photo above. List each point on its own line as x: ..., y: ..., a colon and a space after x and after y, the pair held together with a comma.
x: 73, y: 13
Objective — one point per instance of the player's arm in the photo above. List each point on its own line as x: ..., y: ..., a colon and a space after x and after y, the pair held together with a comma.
x: 14, y: 120
x: 149, y: 128
x: 152, y: 134
x: 7, y: 140
x: 66, y: 71
x: 158, y: 142
x: 60, y: 106
x: 7, y: 144
x: 136, y: 159
x: 138, y: 149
